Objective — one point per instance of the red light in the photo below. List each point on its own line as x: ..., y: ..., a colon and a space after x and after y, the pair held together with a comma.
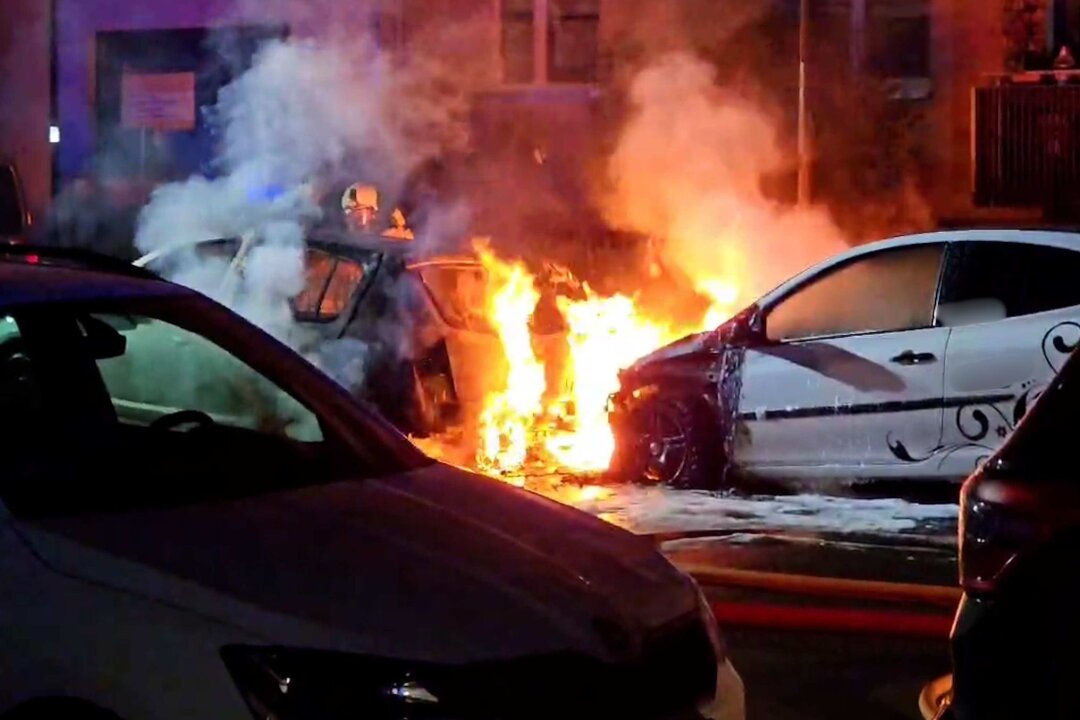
x: 33, y: 259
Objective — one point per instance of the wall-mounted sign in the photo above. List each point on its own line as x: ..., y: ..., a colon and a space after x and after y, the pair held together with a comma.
x: 158, y: 101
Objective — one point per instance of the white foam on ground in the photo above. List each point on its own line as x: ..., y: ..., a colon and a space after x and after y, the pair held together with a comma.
x: 652, y: 510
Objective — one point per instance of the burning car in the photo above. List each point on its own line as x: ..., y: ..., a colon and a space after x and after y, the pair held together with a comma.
x: 909, y: 358
x: 418, y: 342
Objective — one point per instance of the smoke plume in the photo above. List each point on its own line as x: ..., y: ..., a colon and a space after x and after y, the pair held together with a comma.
x: 688, y: 169
x: 307, y: 118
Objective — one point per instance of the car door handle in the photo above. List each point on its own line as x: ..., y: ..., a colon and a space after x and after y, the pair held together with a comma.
x: 910, y: 357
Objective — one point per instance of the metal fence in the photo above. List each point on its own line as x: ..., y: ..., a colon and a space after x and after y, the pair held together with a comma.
x: 1026, y: 145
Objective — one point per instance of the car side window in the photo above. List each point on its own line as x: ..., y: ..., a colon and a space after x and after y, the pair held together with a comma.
x: 888, y: 291
x: 989, y: 280
x: 330, y: 284
x: 165, y: 369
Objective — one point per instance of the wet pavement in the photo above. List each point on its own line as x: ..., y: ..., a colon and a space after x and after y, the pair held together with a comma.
x: 804, y: 674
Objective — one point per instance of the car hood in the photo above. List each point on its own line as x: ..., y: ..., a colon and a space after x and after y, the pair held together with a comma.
x: 442, y: 564
x: 689, y: 345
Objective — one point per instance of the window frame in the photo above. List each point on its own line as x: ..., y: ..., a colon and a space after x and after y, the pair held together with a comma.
x: 338, y: 255
x: 543, y: 45
x: 849, y: 262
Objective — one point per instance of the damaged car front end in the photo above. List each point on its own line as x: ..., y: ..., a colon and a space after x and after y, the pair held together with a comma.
x: 675, y: 416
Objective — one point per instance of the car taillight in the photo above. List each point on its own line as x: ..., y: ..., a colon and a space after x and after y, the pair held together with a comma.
x: 996, y: 525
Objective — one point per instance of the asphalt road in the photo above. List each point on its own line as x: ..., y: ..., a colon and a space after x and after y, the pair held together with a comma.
x: 812, y: 674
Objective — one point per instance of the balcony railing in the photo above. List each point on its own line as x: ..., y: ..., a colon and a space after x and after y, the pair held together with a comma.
x: 1026, y: 142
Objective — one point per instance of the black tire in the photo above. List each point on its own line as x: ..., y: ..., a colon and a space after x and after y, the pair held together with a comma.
x: 670, y: 442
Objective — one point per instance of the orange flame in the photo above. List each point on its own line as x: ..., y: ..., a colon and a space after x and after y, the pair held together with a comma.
x: 509, y: 414
x: 606, y: 334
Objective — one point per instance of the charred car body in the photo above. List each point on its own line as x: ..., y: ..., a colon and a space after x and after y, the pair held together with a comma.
x: 405, y: 332
x: 911, y: 358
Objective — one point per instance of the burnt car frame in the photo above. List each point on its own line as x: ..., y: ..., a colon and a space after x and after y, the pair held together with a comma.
x: 416, y: 321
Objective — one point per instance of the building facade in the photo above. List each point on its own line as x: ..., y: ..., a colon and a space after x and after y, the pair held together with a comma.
x: 558, y: 63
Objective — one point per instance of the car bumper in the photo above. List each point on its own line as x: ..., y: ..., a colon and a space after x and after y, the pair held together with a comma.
x: 730, y: 700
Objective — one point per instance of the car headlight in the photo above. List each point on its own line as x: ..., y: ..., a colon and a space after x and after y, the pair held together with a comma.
x: 287, y: 684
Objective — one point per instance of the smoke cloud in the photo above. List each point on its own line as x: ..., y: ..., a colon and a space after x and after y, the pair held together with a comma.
x: 688, y: 169
x: 308, y: 117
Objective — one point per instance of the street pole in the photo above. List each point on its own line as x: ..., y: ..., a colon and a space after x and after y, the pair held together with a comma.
x: 804, y: 129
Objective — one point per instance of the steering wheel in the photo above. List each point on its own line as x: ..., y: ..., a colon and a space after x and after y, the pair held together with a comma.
x: 182, y: 417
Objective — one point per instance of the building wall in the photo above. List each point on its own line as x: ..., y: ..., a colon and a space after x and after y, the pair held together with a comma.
x: 24, y: 95
x: 967, y: 44
x: 78, y: 22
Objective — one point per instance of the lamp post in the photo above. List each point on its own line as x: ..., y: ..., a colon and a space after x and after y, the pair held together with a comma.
x: 804, y: 129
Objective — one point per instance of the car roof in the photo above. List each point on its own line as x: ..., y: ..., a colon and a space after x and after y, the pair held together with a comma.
x: 31, y: 281
x: 1048, y: 238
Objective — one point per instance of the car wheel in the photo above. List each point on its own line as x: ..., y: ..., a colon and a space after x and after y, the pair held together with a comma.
x: 668, y: 442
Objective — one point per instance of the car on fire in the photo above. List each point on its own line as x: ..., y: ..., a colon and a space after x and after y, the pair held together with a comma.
x: 414, y: 325
x: 909, y: 358
x: 233, y: 536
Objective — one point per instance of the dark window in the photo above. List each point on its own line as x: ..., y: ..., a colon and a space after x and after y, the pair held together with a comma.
x: 898, y: 42
x: 518, y: 47
x: 994, y: 280
x: 573, y: 37
x: 887, y: 291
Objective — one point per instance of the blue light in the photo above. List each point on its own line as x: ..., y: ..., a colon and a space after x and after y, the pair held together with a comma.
x: 266, y: 193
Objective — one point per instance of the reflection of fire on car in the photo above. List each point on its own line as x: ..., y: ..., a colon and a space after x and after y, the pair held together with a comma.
x: 1015, y: 637
x: 427, y: 343
x: 908, y: 358
x: 183, y: 552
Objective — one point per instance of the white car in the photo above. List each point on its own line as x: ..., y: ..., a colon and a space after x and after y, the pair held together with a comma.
x: 195, y: 523
x: 909, y: 358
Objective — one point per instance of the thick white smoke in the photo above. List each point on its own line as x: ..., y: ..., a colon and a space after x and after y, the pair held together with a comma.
x: 308, y: 115
x: 688, y: 168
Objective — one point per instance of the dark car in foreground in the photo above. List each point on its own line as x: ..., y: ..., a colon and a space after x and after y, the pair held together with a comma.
x: 1016, y: 638
x: 234, y: 536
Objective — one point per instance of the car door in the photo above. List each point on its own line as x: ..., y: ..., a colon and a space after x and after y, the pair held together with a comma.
x: 849, y: 378
x: 1014, y: 313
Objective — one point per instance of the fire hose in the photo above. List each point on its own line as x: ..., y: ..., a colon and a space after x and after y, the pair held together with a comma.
x: 798, y: 615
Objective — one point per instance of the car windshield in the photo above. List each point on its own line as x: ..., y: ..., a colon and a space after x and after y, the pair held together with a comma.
x: 149, y: 406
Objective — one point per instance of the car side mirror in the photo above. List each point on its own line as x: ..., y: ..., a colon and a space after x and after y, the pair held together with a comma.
x: 103, y: 340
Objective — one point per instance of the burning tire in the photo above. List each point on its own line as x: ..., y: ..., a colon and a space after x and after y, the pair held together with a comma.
x: 668, y: 442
